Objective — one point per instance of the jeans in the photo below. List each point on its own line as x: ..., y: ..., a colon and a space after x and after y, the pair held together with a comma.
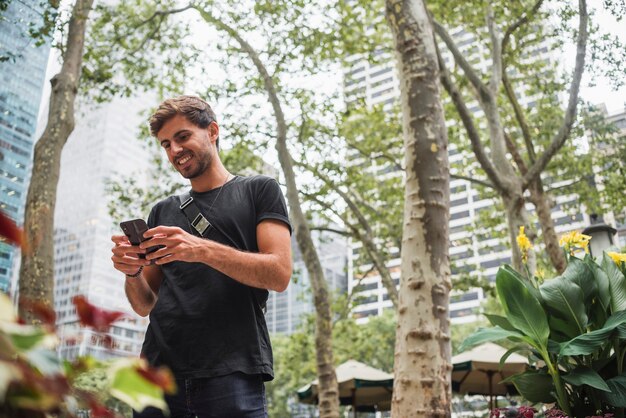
x: 231, y: 396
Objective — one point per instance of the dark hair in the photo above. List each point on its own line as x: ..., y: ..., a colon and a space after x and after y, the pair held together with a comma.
x: 196, y: 110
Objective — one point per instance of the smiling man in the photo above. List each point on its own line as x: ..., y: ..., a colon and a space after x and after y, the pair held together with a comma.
x: 223, y: 245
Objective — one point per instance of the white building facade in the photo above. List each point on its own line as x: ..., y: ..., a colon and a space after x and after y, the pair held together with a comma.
x: 104, y: 142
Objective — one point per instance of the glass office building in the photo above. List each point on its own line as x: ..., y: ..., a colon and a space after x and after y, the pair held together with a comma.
x: 21, y: 83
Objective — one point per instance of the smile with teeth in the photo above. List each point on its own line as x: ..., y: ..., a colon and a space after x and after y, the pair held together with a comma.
x: 184, y: 160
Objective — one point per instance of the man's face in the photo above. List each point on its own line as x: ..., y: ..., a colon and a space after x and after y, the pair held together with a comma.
x: 189, y: 147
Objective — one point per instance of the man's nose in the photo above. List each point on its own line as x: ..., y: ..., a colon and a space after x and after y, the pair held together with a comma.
x: 175, y: 148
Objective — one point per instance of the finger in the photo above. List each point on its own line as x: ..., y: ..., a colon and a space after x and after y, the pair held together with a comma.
x: 119, y: 239
x: 164, y: 230
x: 131, y: 261
x: 124, y: 268
x: 166, y: 259
x: 163, y: 252
x: 127, y: 249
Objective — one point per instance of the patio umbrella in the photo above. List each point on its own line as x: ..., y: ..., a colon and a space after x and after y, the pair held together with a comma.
x: 478, y: 372
x: 363, y: 387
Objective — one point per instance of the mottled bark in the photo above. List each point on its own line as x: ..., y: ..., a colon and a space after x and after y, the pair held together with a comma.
x: 328, y: 386
x: 36, y: 281
x: 422, y: 356
x: 544, y: 214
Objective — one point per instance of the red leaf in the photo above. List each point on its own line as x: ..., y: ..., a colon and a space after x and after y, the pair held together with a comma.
x: 100, y: 411
x: 162, y: 377
x: 96, y: 408
x: 91, y: 316
x: 10, y: 231
x: 41, y: 310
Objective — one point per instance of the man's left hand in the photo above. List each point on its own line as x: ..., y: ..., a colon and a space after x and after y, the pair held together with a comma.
x: 178, y: 245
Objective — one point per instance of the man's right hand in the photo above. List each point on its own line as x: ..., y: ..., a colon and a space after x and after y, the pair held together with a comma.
x: 126, y: 256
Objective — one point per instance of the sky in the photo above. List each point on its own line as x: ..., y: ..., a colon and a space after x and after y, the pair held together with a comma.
x: 602, y: 93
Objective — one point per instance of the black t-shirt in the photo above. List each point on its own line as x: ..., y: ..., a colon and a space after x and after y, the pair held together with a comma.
x: 204, y: 323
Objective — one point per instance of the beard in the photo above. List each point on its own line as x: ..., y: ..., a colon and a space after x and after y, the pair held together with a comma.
x: 200, y: 164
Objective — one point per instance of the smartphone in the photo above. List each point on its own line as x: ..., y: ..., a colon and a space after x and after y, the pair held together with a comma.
x: 134, y: 230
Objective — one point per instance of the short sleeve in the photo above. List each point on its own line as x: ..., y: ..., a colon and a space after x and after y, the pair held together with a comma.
x: 270, y: 202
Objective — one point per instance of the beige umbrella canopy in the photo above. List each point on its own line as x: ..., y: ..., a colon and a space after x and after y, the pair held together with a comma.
x: 362, y: 386
x: 478, y: 372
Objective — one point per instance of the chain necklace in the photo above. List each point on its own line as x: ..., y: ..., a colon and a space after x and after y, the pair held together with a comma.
x: 219, y: 192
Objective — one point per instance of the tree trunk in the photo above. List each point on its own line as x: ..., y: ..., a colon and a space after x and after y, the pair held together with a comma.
x: 516, y: 216
x: 36, y: 281
x: 544, y: 213
x: 422, y: 354
x: 328, y: 386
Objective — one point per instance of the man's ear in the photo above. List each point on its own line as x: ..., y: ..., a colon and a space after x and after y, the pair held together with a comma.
x: 214, y: 131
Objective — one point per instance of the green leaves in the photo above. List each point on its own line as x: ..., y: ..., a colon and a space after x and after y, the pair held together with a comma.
x: 586, y: 376
x: 536, y: 386
x: 484, y: 335
x: 617, y: 284
x: 565, y: 300
x: 616, y: 396
x: 592, y: 341
x: 522, y: 308
x: 131, y: 387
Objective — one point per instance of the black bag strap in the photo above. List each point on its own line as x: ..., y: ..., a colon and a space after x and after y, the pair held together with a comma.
x: 201, y: 225
x: 197, y: 220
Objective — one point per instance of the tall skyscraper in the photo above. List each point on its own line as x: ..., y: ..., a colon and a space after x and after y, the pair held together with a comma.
x: 21, y: 85
x: 103, y: 145
x: 470, y: 253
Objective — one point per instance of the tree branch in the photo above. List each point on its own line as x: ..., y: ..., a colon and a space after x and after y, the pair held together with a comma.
x: 563, y: 133
x: 472, y: 180
x: 366, y: 237
x: 496, y: 53
x: 468, y: 123
x: 470, y: 73
x: 162, y: 13
x: 519, y: 115
x: 333, y: 230
x: 521, y: 21
x: 510, y: 145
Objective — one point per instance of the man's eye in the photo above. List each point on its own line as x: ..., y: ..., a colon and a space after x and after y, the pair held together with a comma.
x: 166, y: 145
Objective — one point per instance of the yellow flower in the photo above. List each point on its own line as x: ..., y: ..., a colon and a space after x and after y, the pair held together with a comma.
x: 573, y: 240
x: 523, y: 243
x: 617, y: 257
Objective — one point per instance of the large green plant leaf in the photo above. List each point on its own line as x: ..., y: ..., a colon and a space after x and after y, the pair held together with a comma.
x: 565, y: 300
x: 484, y: 335
x: 617, y: 283
x: 500, y: 321
x: 592, y: 341
x: 586, y: 376
x: 523, y: 309
x: 514, y: 273
x: 561, y: 330
x: 579, y: 272
x: 535, y: 386
x: 602, y: 280
x: 617, y: 392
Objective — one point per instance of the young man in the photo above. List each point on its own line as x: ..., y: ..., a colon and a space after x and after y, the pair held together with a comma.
x: 205, y: 294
